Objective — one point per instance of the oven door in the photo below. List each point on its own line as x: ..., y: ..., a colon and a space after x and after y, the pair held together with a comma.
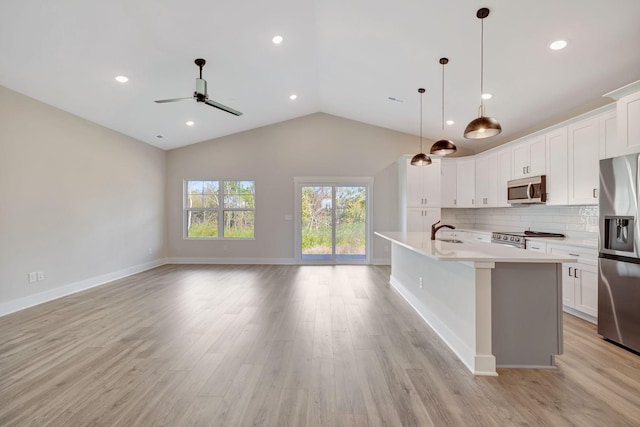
x: 527, y: 190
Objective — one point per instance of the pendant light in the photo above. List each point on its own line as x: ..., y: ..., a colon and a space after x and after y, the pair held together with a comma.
x: 443, y: 146
x: 421, y: 159
x: 482, y: 127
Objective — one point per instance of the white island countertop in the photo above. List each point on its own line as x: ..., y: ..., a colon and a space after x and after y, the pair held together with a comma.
x: 467, y: 252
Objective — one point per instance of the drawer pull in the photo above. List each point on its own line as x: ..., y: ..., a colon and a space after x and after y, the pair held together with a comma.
x: 574, y: 254
x: 535, y: 247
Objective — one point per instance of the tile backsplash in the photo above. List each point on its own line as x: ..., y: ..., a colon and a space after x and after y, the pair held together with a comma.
x: 573, y: 221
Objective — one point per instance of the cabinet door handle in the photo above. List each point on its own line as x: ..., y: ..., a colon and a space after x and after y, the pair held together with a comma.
x: 528, y: 169
x: 524, y: 170
x: 595, y: 193
x: 575, y: 273
x: 574, y: 254
x: 570, y: 275
x: 535, y: 247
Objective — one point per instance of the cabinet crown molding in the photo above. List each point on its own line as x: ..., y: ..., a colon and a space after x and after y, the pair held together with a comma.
x: 623, y: 91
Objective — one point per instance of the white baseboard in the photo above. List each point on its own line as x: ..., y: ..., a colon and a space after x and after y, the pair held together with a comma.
x: 223, y: 260
x: 381, y: 261
x: 51, y: 294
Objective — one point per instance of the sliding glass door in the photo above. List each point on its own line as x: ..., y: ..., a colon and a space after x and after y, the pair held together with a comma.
x: 333, y: 222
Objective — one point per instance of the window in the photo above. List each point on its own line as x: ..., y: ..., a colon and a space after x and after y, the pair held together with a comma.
x: 219, y: 209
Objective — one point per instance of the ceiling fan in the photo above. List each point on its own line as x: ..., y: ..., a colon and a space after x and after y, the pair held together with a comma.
x: 200, y: 95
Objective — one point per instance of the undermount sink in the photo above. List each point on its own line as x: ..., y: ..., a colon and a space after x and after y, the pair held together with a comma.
x: 451, y: 240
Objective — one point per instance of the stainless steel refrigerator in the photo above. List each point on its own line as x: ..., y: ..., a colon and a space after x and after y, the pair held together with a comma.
x: 619, y: 248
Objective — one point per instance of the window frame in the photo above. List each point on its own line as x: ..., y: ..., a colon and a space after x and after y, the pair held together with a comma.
x: 219, y: 210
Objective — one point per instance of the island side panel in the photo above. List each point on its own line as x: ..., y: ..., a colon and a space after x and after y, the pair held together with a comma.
x: 447, y: 300
x: 527, y: 314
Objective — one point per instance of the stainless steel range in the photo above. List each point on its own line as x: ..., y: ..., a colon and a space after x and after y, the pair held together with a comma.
x: 518, y: 240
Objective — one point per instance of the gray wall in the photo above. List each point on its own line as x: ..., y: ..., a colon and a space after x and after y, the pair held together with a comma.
x: 314, y: 145
x: 79, y: 202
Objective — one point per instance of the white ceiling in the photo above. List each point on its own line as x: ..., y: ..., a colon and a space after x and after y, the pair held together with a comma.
x: 342, y: 57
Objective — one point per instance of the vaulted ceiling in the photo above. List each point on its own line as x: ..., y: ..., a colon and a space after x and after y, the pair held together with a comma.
x: 359, y: 59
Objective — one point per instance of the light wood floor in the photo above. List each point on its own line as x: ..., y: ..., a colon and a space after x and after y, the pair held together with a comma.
x: 282, y: 346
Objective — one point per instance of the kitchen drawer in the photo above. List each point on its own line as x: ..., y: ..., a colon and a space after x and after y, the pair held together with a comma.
x: 478, y: 237
x: 583, y: 255
x: 534, y: 246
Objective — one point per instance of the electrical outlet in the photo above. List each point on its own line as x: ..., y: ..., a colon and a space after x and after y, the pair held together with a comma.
x: 150, y: 251
x: 420, y: 281
x: 33, y: 277
x: 40, y: 275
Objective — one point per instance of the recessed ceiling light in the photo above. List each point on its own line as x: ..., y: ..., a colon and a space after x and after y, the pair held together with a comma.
x: 558, y: 44
x: 487, y: 96
x: 190, y: 123
x: 122, y: 79
x: 450, y: 122
x: 277, y: 39
x: 293, y: 97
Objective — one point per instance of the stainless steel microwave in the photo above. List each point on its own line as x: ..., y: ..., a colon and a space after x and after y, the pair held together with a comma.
x: 527, y: 190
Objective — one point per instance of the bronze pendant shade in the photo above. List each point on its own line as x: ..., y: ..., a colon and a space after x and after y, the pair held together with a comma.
x: 482, y: 127
x: 443, y: 146
x: 421, y: 159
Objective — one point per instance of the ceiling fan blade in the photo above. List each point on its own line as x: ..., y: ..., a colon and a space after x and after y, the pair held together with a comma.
x: 222, y: 107
x: 162, y: 101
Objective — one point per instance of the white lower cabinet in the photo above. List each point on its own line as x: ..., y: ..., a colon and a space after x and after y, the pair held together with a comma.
x: 534, y: 246
x: 477, y: 237
x: 579, y: 279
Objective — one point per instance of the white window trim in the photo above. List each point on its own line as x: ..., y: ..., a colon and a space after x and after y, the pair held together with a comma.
x: 300, y: 181
x: 220, y: 209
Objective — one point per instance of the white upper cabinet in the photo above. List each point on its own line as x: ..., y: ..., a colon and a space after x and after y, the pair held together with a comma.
x: 528, y: 158
x: 608, y: 124
x: 583, y: 167
x: 448, y: 183
x: 466, y: 189
x: 423, y: 184
x: 421, y: 219
x: 627, y: 140
x: 557, y: 167
x: 486, y: 180
x: 504, y: 175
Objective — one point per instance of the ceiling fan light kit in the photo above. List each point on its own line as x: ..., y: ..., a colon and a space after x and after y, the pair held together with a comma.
x: 482, y: 127
x: 443, y: 146
x: 420, y: 159
x: 201, y: 94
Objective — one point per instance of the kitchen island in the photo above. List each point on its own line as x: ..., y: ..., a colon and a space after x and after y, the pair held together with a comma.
x: 493, y: 305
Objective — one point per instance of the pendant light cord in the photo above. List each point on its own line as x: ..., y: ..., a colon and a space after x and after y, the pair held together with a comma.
x: 421, y: 93
x: 481, y: 66
x: 442, y: 115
